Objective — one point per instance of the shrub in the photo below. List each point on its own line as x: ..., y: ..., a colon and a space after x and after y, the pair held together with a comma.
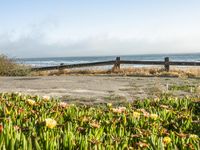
x: 9, y: 68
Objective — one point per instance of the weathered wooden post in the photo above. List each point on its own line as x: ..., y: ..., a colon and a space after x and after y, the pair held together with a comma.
x: 60, y: 68
x: 117, y: 63
x: 167, y: 64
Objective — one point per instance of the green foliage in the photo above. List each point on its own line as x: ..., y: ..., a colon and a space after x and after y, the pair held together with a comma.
x: 185, y: 88
x: 161, y: 123
x: 9, y: 68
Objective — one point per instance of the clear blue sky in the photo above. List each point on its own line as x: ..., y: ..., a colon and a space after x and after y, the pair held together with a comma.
x: 46, y: 28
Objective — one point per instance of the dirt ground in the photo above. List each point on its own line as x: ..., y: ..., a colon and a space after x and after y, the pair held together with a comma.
x: 91, y: 89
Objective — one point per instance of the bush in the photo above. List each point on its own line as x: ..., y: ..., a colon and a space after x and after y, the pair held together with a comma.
x: 9, y: 68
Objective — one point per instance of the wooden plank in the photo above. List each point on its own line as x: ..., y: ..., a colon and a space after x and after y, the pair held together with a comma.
x: 178, y: 63
x: 142, y: 62
x: 74, y: 66
x: 185, y: 63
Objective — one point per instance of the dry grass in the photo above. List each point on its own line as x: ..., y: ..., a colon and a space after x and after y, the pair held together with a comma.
x: 135, y: 71
x: 9, y: 68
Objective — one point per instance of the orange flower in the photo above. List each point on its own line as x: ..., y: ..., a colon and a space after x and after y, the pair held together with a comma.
x: 1, y: 128
x: 20, y: 110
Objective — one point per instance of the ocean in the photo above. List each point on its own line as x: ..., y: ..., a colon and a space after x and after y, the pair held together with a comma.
x: 52, y: 61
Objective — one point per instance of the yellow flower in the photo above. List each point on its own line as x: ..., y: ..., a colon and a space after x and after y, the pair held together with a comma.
x: 18, y: 93
x: 167, y: 140
x: 31, y: 102
x: 136, y: 114
x: 193, y: 136
x: 156, y: 99
x: 50, y: 123
x: 72, y: 105
x: 153, y: 116
x: 109, y: 104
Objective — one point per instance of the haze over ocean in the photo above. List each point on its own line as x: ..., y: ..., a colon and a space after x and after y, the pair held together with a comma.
x: 50, y: 28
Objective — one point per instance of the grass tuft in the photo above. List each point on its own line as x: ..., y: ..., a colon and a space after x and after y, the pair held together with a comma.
x: 9, y: 68
x: 129, y: 71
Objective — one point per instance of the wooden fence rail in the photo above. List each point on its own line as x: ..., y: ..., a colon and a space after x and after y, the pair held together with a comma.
x: 118, y: 62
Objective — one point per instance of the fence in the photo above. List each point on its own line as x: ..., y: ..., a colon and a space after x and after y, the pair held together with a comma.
x: 118, y: 62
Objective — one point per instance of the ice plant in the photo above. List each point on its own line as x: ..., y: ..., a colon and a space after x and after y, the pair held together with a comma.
x: 98, y: 126
x: 1, y: 128
x: 46, y: 98
x: 7, y: 111
x: 16, y: 128
x: 94, y: 125
x: 142, y: 145
x: 109, y: 104
x: 193, y: 136
x: 119, y: 109
x: 136, y: 114
x: 63, y: 104
x: 153, y: 116
x: 156, y: 99
x: 122, y: 108
x: 167, y: 140
x: 31, y: 102
x: 116, y: 110
x: 18, y: 93
x: 50, y: 123
x: 164, y: 106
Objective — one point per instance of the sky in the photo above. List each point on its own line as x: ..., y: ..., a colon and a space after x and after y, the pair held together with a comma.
x: 59, y: 28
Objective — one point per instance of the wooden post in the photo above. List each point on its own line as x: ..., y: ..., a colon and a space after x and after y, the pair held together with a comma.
x: 167, y: 64
x: 60, y: 67
x: 117, y: 63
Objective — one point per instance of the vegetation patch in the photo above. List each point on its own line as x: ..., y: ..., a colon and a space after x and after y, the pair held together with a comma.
x: 126, y: 71
x: 32, y: 122
x: 185, y: 88
x: 9, y: 68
